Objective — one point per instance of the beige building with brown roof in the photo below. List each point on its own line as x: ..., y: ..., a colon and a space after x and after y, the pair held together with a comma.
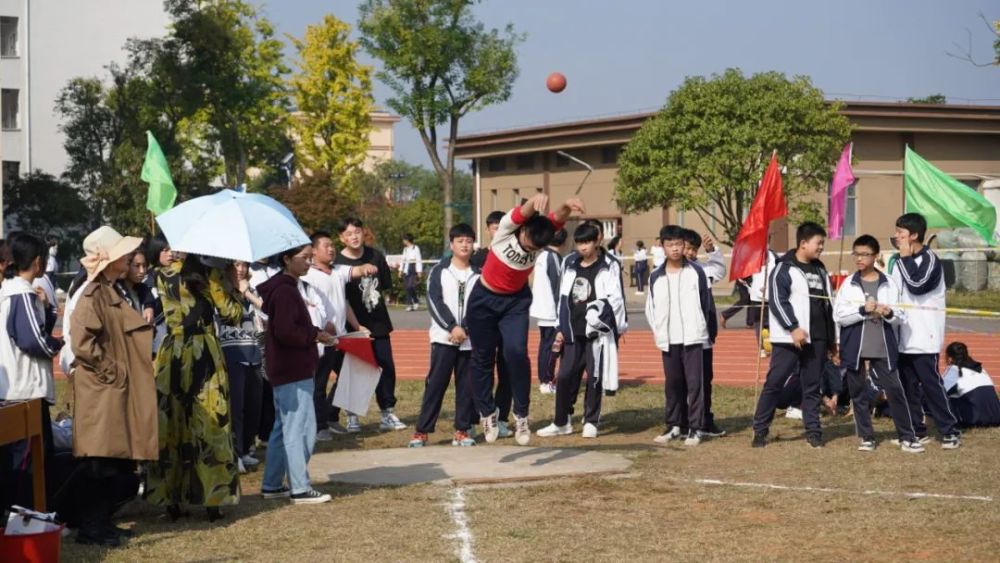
x: 964, y: 141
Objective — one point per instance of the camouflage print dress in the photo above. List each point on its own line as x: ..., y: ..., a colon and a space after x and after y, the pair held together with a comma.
x: 197, y: 463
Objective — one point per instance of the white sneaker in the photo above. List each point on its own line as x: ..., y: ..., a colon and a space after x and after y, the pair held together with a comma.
x: 673, y: 434
x: 589, y: 430
x: 353, y: 424
x: 240, y: 467
x: 490, y: 427
x: 694, y: 438
x: 553, y: 430
x: 324, y: 436
x: 547, y: 389
x: 793, y: 413
x: 522, y: 432
x: 390, y: 421
x: 250, y: 461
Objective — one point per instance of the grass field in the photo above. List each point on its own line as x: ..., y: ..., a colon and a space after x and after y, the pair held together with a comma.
x: 659, y: 512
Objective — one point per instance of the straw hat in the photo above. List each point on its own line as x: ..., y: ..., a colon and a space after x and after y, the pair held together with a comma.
x: 104, y: 246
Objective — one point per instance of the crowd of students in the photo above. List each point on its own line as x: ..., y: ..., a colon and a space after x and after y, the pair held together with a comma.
x: 181, y: 367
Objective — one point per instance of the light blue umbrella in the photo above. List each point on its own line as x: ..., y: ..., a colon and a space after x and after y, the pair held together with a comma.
x: 232, y: 225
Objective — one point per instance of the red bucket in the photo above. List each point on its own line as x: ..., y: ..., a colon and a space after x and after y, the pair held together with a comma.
x: 31, y: 548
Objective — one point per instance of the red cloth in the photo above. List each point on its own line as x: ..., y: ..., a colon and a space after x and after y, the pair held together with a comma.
x: 508, y: 265
x: 751, y: 245
x: 359, y: 347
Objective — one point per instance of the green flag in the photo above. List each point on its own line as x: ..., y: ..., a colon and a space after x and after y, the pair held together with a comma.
x: 156, y: 173
x: 943, y: 200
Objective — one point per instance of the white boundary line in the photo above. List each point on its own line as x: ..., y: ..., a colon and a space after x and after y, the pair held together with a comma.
x: 846, y: 491
x: 456, y: 509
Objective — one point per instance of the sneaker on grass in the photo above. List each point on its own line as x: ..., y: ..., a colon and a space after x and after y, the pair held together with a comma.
x: 759, y: 440
x: 951, y: 442
x: 283, y: 492
x: 418, y: 440
x: 491, y: 427
x: 673, y: 434
x: 694, y: 438
x: 240, y: 467
x: 462, y: 438
x: 815, y: 442
x: 312, y: 496
x: 911, y: 447
x: 390, y: 421
x: 337, y: 428
x: 353, y: 424
x: 250, y: 461
x: 793, y: 413
x: 867, y: 445
x: 553, y: 430
x: 522, y: 432
x: 547, y: 389
x: 589, y: 430
x: 324, y: 435
x: 714, y: 431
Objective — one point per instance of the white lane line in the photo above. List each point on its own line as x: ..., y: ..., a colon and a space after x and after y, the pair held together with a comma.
x: 847, y: 491
x: 456, y: 509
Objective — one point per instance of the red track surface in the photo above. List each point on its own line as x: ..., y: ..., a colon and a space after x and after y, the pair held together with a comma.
x: 639, y: 359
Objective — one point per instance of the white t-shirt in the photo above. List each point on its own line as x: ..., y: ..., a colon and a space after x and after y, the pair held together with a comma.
x: 332, y: 286
x: 640, y: 255
x: 676, y: 328
x: 659, y: 256
x: 411, y: 255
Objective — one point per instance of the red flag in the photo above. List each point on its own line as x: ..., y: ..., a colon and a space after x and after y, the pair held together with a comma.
x: 751, y: 244
x: 359, y: 347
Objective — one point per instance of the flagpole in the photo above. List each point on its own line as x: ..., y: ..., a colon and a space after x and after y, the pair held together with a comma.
x: 152, y: 224
x: 760, y: 332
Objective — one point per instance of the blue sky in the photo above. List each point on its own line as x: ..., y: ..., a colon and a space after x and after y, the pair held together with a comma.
x: 626, y: 56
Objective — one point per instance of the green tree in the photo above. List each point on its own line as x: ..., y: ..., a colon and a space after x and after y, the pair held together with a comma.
x: 441, y: 64
x: 42, y: 204
x: 706, y: 150
x: 333, y: 96
x: 932, y: 99
x: 221, y: 55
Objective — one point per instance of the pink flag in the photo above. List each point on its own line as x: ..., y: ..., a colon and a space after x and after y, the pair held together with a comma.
x: 843, y: 177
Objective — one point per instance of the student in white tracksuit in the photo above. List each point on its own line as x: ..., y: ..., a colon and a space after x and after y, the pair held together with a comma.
x: 679, y: 311
x: 544, y: 304
x: 802, y: 332
x: 410, y: 269
x: 591, y: 276
x: 920, y: 276
x: 715, y: 270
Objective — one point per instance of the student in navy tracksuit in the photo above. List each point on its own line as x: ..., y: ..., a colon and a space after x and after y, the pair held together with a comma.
x: 448, y: 288
x: 499, y: 303
x: 544, y: 305
x: 867, y: 314
x: 589, y: 296
x: 971, y: 390
x: 802, y: 332
x: 920, y: 276
x: 679, y: 310
x: 715, y: 270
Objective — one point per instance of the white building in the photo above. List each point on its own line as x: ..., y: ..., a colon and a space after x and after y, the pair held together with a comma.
x: 45, y: 43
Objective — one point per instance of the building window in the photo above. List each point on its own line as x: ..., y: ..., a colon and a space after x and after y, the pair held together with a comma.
x: 497, y: 164
x: 561, y: 161
x: 525, y: 161
x: 851, y: 211
x: 539, y: 190
x: 11, y: 171
x: 609, y: 155
x: 8, y: 37
x: 9, y: 109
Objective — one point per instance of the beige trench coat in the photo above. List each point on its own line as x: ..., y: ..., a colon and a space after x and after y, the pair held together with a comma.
x: 115, y: 393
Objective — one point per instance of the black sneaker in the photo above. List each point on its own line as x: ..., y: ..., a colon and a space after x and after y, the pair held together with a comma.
x: 759, y: 440
x: 815, y: 442
x: 714, y: 431
x: 951, y: 442
x: 312, y: 496
x: 282, y: 492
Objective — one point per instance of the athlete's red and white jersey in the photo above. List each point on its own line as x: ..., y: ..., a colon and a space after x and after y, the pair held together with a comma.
x: 508, y: 265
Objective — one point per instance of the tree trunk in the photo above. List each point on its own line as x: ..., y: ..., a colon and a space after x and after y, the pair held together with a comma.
x: 449, y: 210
